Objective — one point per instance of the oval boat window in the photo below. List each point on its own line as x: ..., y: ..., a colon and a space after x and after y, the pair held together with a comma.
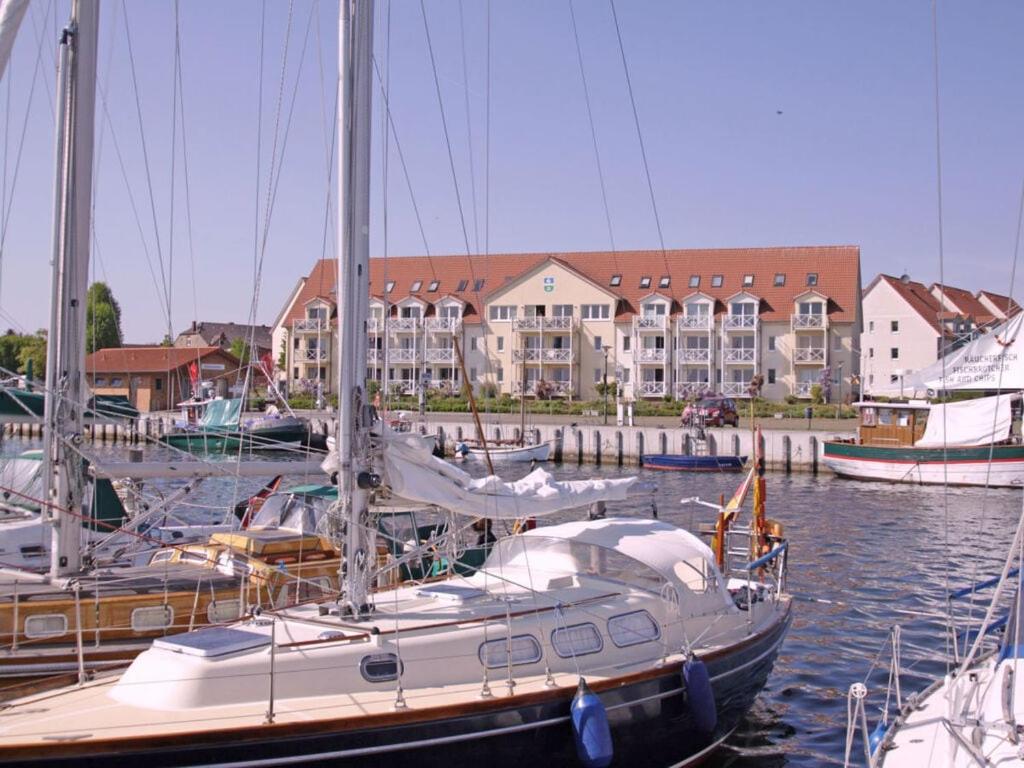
x: 379, y: 668
x: 495, y: 653
x: 633, y: 628
x: 155, y: 617
x: 577, y: 640
x: 50, y: 625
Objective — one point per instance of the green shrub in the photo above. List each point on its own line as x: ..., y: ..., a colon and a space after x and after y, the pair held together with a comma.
x: 817, y: 394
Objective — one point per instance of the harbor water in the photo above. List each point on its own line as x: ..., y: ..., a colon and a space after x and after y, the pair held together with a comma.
x: 863, y: 557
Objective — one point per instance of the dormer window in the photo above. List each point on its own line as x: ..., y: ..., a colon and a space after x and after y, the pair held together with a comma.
x: 616, y: 281
x: 434, y: 285
x: 695, y: 281
x: 462, y: 286
x: 748, y: 281
x: 812, y: 278
x: 716, y: 281
x: 665, y: 281
x: 478, y: 284
x: 389, y: 286
x: 780, y: 280
x: 645, y: 282
x: 416, y: 286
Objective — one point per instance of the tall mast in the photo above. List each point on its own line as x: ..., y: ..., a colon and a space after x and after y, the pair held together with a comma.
x: 355, y: 49
x: 65, y: 354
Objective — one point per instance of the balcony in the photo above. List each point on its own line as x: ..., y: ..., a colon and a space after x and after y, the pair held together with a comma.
x: 542, y: 324
x: 375, y: 325
x: 439, y: 355
x: 442, y: 324
x: 807, y: 321
x: 543, y: 388
x: 403, y: 355
x: 696, y: 355
x: 650, y: 323
x: 402, y: 386
x: 803, y: 388
x: 684, y: 390
x: 740, y: 322
x: 811, y: 355
x: 650, y: 355
x: 736, y: 389
x: 739, y: 355
x: 542, y: 355
x: 374, y: 356
x: 695, y: 322
x: 651, y: 388
x: 403, y: 324
x: 311, y: 325
x: 310, y: 355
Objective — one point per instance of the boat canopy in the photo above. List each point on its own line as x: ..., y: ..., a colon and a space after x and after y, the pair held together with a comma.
x: 414, y: 474
x: 223, y: 413
x: 982, y: 421
x: 993, y: 361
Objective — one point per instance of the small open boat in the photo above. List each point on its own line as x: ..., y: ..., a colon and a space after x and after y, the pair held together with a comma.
x: 504, y: 453
x: 682, y: 463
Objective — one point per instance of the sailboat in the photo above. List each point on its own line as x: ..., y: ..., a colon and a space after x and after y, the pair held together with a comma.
x: 579, y: 641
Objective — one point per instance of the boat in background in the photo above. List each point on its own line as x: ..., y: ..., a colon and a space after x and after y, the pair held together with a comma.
x: 221, y: 429
x: 683, y: 463
x: 504, y: 453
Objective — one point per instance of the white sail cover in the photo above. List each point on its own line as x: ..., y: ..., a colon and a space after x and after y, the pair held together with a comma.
x: 971, y: 422
x: 994, y: 360
x: 11, y: 14
x: 413, y: 473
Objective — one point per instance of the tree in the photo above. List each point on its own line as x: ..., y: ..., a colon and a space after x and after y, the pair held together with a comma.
x: 102, y: 319
x: 33, y: 348
x: 240, y: 349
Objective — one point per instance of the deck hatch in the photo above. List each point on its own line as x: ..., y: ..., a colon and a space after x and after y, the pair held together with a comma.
x: 452, y: 593
x: 215, y: 641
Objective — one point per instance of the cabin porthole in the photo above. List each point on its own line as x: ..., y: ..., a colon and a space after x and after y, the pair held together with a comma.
x: 524, y: 649
x: 49, y: 625
x: 220, y: 611
x: 576, y: 640
x: 633, y: 628
x: 380, y: 668
x: 150, y: 618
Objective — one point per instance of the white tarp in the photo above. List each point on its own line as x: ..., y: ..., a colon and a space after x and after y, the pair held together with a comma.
x: 413, y: 473
x: 994, y: 360
x: 971, y: 422
x: 11, y: 14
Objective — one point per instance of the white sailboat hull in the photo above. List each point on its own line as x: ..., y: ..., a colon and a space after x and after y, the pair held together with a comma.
x: 1008, y: 474
x: 515, y: 454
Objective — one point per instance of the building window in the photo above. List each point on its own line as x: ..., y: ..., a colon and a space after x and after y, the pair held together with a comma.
x: 748, y: 281
x: 389, y: 286
x: 595, y: 311
x: 472, y: 343
x: 597, y: 343
x: 893, y: 378
x: 561, y: 310
x: 295, y: 372
x: 695, y: 281
x: 771, y: 375
x: 812, y: 278
x: 716, y: 281
x: 625, y: 343
x: 780, y: 279
x: 500, y: 374
x: 894, y: 326
x: 117, y: 382
x: 478, y: 284
x: 461, y: 286
x: 597, y: 375
x: 616, y: 281
x: 771, y: 343
x: 416, y: 286
x: 894, y: 353
x: 871, y: 378
x: 837, y: 342
x: 158, y: 384
x: 625, y: 375
x: 665, y: 281
x: 503, y: 312
x: 501, y: 343
x: 472, y: 374
x: 871, y: 326
x: 434, y: 285
x: 645, y: 282
x: 871, y: 351
x: 100, y: 382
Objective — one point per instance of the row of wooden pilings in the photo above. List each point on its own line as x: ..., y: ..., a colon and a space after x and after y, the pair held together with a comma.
x: 136, y: 432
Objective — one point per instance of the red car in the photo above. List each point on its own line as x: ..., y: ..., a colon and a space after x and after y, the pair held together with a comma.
x: 718, y: 411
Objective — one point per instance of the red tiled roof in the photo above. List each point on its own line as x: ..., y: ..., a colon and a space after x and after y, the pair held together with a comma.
x: 965, y: 302
x: 918, y: 297
x: 148, y: 359
x: 837, y: 269
x: 1002, y: 302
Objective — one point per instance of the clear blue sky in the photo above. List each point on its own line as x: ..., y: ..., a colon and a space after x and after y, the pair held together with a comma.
x: 850, y: 159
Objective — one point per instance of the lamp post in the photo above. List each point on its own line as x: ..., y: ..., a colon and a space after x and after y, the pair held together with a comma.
x: 606, y: 348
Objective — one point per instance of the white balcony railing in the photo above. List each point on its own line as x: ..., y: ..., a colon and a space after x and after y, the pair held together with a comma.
x: 695, y: 355
x: 403, y: 386
x: 542, y: 355
x: 651, y: 388
x: 442, y: 324
x: 375, y: 324
x: 650, y: 323
x: 736, y: 389
x: 439, y: 355
x: 650, y: 355
x: 694, y: 322
x: 542, y: 324
x: 684, y: 390
x: 741, y: 322
x: 548, y: 388
x: 812, y: 355
x: 403, y: 324
x: 403, y: 355
x: 803, y: 388
x: 739, y: 355
x: 374, y: 356
x: 557, y: 323
x: 311, y: 325
x: 311, y: 355
x: 808, y: 321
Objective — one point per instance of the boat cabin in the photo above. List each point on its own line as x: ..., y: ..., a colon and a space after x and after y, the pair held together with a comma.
x: 892, y: 424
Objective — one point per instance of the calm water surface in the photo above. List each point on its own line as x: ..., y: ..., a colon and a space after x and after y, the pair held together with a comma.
x: 863, y: 556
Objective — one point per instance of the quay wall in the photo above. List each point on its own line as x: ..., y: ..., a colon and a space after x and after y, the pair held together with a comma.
x: 612, y: 445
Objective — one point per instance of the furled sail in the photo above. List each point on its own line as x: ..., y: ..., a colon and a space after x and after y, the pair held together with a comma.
x: 971, y: 422
x: 11, y: 14
x: 994, y: 360
x: 413, y: 473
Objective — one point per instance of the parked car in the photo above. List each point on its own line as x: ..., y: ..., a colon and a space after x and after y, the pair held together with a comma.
x: 717, y: 412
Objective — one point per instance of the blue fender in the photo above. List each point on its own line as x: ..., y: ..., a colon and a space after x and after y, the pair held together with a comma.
x: 590, y: 728
x: 700, y: 698
x: 877, y: 736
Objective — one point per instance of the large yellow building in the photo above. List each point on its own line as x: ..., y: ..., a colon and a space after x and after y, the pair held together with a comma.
x: 662, y: 324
